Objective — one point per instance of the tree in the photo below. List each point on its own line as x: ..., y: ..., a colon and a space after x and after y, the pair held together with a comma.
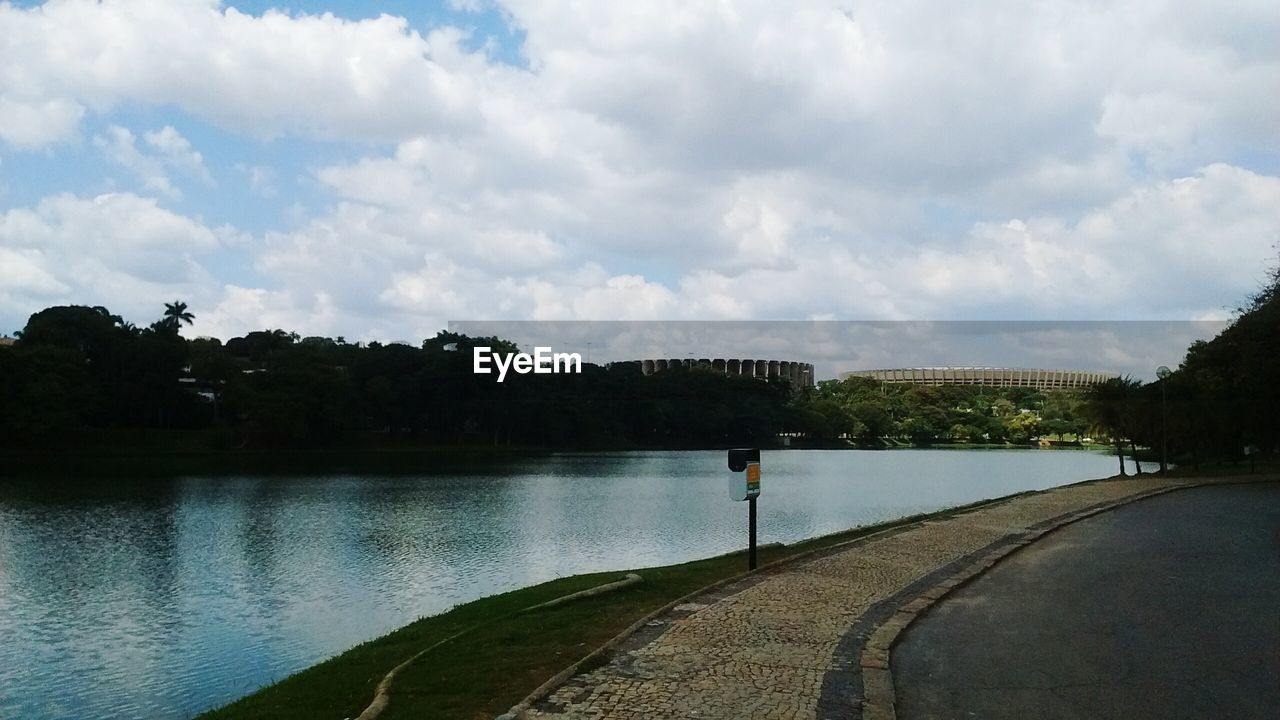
x: 1003, y: 408
x: 1023, y: 427
x: 875, y: 419
x: 175, y: 316
x: 967, y: 432
x: 919, y: 430
x: 1107, y: 405
x: 823, y: 418
x: 91, y: 330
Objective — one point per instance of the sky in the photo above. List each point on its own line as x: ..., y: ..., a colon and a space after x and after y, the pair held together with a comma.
x: 322, y: 168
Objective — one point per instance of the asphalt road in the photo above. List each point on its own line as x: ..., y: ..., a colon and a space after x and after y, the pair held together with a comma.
x: 1165, y: 608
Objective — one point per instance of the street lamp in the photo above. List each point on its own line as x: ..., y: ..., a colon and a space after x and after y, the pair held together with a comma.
x: 1163, y: 372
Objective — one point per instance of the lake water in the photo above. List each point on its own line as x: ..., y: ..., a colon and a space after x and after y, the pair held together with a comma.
x: 163, y: 598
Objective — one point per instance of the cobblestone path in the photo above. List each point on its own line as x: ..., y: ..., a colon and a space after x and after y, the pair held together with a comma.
x: 770, y: 646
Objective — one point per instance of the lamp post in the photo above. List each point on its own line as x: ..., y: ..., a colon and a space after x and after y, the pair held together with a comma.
x: 1163, y: 372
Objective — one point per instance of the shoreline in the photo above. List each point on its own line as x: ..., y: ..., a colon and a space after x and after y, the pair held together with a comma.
x: 505, y: 654
x: 282, y: 698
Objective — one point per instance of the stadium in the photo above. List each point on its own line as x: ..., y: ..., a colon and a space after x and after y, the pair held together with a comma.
x: 1039, y: 379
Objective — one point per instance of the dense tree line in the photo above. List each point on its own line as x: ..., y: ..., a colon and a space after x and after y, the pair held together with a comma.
x: 869, y: 412
x: 75, y: 370
x: 80, y: 369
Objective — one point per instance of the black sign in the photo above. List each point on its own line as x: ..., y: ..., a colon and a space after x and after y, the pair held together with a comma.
x: 739, y: 457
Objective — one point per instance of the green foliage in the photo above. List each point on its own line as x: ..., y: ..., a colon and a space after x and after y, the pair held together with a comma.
x: 1022, y: 428
x: 76, y: 368
x: 43, y: 390
x: 923, y: 415
x: 1225, y: 394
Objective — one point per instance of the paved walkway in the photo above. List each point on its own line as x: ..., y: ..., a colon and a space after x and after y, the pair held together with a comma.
x: 1166, y: 608
x: 786, y: 644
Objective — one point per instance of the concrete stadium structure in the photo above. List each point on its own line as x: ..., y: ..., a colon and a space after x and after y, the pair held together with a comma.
x: 986, y: 376
x: 798, y: 373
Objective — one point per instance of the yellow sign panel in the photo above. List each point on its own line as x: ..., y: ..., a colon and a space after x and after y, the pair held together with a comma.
x: 753, y: 479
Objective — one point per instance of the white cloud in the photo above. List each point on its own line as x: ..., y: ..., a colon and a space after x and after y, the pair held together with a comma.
x: 28, y: 122
x: 169, y: 150
x: 907, y: 92
x: 117, y: 250
x: 1168, y: 249
x: 471, y: 6
x: 262, y: 179
x: 315, y: 74
x: 239, y: 310
x: 25, y: 276
x: 1173, y: 249
x: 820, y: 158
x: 176, y: 151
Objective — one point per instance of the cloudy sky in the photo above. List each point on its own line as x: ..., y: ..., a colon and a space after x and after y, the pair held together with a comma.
x: 317, y: 167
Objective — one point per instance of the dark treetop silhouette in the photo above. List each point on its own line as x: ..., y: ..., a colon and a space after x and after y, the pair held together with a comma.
x: 76, y: 371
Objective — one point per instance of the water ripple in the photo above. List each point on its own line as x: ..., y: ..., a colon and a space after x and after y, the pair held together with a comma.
x: 155, y: 599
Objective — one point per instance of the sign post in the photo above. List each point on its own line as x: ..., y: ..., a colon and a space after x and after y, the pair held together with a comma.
x: 744, y: 484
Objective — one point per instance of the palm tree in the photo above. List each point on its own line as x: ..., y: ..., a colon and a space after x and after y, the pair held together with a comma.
x: 1108, y: 406
x: 175, y: 315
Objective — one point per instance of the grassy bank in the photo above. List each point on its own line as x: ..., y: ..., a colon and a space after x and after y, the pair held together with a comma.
x: 503, y: 653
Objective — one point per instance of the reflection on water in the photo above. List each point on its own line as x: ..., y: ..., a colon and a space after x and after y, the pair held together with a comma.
x: 162, y: 598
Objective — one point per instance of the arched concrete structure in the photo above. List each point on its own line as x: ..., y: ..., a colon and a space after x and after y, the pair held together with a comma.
x: 797, y: 373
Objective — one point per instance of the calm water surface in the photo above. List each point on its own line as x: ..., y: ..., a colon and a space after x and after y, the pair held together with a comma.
x: 162, y: 598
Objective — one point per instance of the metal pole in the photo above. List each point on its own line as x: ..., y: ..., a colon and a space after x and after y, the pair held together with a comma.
x: 1164, y: 430
x: 751, y: 534
x: 1163, y: 373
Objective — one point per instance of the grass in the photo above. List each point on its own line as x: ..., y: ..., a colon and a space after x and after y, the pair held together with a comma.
x: 503, y: 656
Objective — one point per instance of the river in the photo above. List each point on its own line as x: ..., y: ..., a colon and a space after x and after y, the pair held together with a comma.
x: 161, y: 598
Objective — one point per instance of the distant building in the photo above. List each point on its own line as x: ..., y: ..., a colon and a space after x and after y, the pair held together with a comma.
x: 800, y: 374
x: 1039, y: 379
x: 6, y: 341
